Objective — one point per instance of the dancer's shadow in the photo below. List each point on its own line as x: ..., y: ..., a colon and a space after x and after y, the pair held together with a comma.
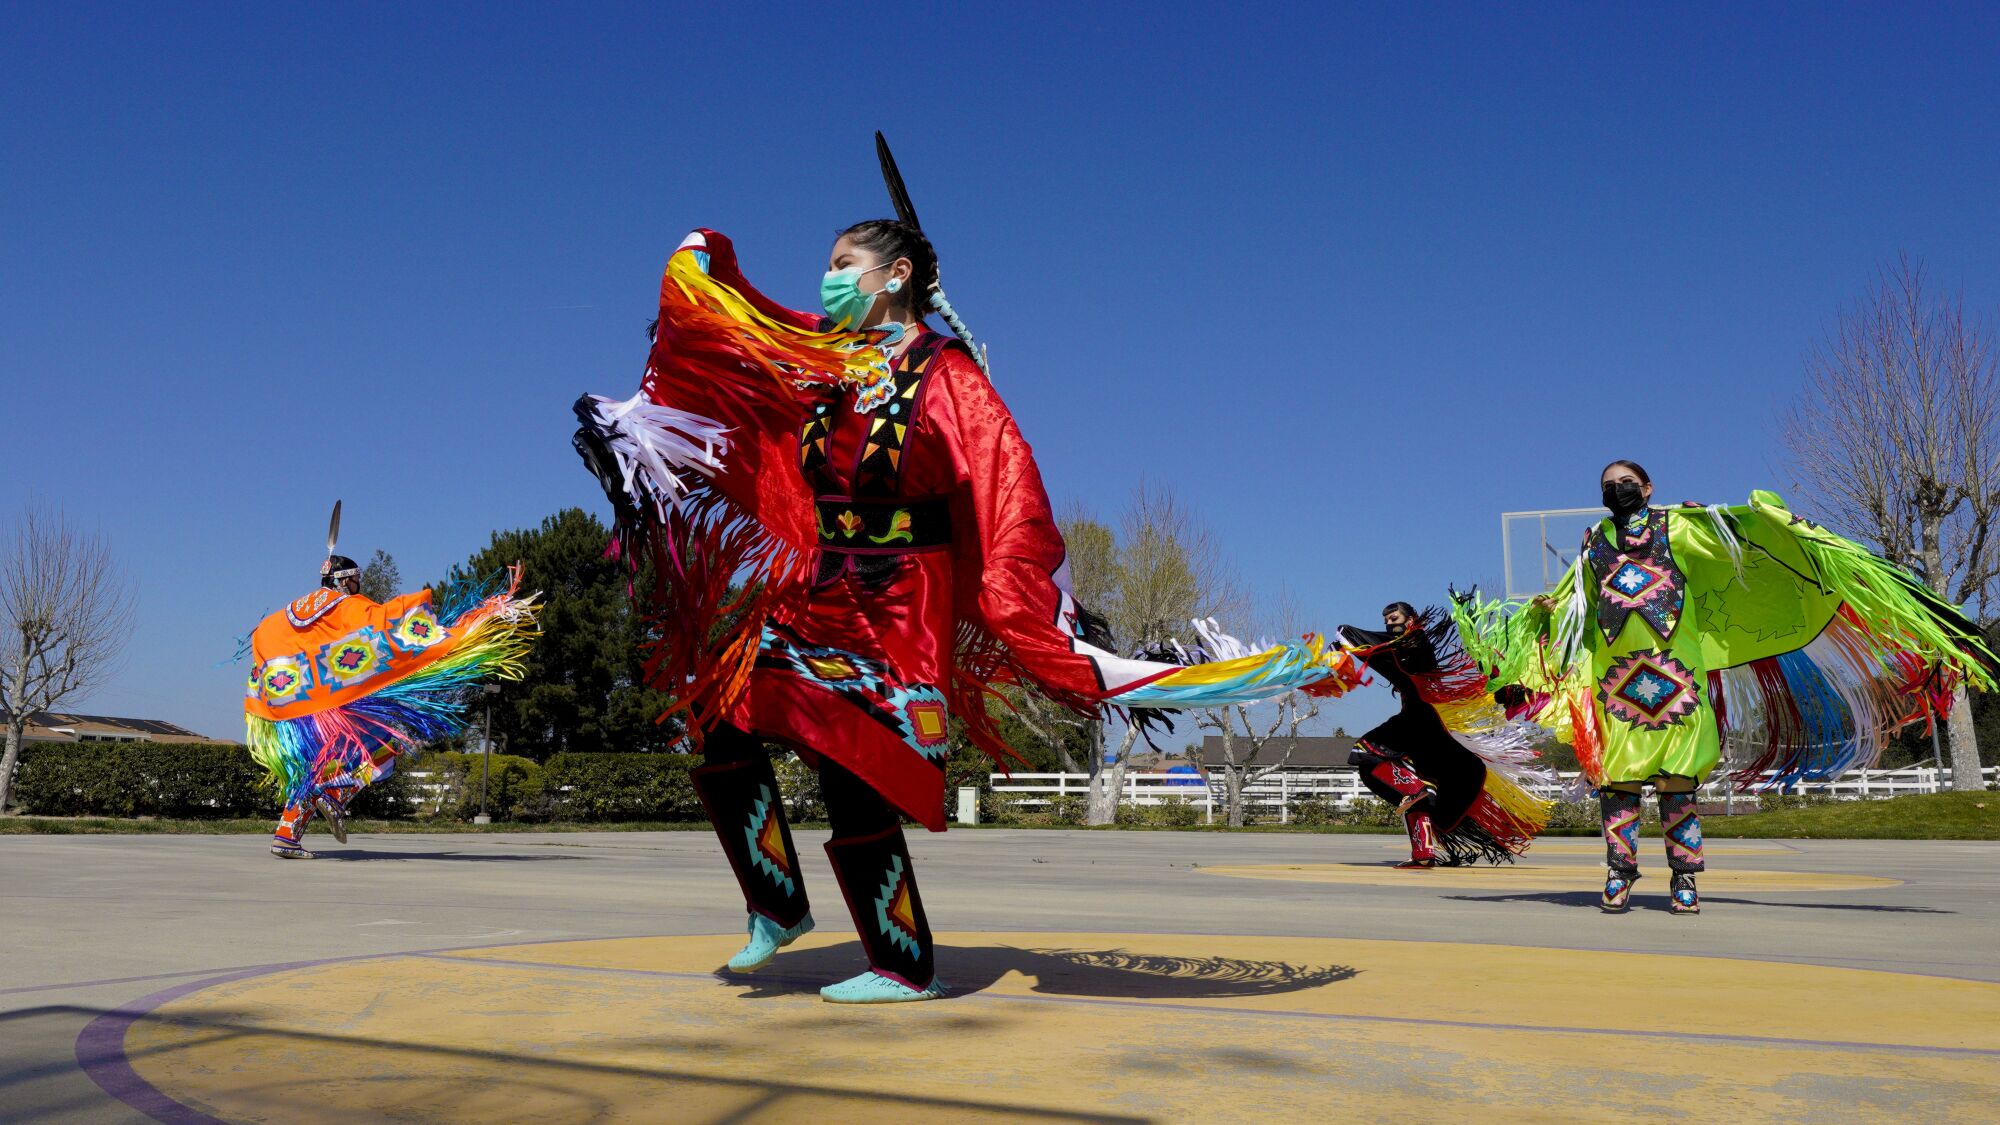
x: 620, y: 1084
x: 1417, y: 875
x: 1103, y: 973
x: 357, y: 855
x: 1590, y: 899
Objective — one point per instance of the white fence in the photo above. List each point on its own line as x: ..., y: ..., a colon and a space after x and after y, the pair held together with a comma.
x: 1275, y: 792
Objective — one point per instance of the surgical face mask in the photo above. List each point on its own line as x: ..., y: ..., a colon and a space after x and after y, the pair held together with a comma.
x: 1624, y: 497
x: 841, y: 296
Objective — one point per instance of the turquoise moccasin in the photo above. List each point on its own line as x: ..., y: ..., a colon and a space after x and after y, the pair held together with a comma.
x: 766, y: 938
x: 871, y: 988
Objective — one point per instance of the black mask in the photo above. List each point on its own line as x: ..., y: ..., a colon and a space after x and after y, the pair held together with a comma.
x: 1624, y: 498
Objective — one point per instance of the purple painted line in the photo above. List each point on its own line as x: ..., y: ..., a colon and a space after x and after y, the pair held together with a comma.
x: 100, y: 1051
x: 100, y: 1047
x: 1338, y: 1017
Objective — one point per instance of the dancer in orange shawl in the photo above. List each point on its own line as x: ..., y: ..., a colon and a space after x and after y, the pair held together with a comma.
x: 341, y: 685
x: 854, y: 548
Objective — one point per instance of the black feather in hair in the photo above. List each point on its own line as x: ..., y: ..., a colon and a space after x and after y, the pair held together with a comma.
x: 893, y: 180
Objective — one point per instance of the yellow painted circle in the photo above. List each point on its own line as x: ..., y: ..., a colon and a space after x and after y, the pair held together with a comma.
x: 1593, y: 847
x: 1540, y: 877
x: 1073, y: 1027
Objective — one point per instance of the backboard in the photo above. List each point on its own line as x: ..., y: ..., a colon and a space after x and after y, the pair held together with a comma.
x: 1538, y: 546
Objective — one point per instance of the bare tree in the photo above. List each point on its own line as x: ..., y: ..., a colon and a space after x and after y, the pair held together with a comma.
x: 1168, y: 571
x: 1246, y: 738
x: 1898, y: 427
x: 380, y: 580
x: 1091, y: 551
x: 65, y: 610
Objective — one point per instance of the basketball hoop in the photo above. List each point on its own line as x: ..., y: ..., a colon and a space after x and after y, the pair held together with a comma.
x: 1536, y: 547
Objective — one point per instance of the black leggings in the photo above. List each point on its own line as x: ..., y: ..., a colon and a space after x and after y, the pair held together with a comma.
x: 853, y: 808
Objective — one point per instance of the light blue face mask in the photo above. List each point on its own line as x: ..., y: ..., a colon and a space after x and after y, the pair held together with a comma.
x: 841, y: 296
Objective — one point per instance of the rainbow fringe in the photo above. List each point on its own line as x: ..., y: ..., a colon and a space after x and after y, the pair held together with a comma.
x: 1508, y: 812
x: 1892, y: 655
x: 496, y: 629
x: 706, y: 308
x: 1817, y: 712
x: 1307, y: 665
x: 1521, y: 815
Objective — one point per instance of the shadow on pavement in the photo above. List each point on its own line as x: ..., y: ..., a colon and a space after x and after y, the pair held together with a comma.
x: 1590, y: 898
x: 1102, y: 973
x: 566, y: 1080
x: 354, y: 856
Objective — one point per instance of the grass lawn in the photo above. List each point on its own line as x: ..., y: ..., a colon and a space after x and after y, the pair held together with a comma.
x: 1928, y: 816
x: 1940, y: 816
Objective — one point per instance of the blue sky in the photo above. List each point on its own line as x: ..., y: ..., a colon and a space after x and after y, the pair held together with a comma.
x: 1352, y: 283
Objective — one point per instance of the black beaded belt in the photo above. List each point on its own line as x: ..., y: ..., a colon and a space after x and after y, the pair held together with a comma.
x: 883, y: 527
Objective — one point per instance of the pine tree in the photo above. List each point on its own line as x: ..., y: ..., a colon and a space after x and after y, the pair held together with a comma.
x: 585, y: 686
x: 380, y: 580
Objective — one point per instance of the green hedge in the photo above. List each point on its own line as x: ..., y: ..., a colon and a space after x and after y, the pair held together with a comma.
x: 513, y: 784
x: 600, y: 787
x: 186, y: 781
x: 391, y: 798
x: 199, y: 781
x: 444, y: 785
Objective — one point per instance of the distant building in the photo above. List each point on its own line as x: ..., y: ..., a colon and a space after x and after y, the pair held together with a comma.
x: 1314, y: 753
x: 62, y: 726
x: 1310, y: 752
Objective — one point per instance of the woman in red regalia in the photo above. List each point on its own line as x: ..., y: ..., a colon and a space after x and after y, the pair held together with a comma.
x: 854, y: 548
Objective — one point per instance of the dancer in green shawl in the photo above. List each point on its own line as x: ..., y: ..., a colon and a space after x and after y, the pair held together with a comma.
x: 1681, y: 632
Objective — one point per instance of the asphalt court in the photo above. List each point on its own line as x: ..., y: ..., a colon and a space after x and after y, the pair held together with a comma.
x: 1096, y: 976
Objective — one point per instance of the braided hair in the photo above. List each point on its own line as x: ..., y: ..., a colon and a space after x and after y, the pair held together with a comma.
x: 890, y: 239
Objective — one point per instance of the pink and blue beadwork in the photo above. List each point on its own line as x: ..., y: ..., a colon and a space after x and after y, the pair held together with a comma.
x: 1620, y: 812
x: 1681, y: 825
x: 1649, y: 689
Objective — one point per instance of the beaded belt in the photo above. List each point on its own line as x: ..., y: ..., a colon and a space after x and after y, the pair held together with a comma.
x: 883, y: 527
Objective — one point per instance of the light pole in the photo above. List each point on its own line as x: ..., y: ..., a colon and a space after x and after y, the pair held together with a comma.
x: 1937, y: 753
x: 486, y: 752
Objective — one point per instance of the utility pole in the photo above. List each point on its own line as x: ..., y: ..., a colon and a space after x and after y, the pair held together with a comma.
x: 486, y: 752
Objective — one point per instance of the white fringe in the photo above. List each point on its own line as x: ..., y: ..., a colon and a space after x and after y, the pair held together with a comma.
x: 1572, y: 619
x: 1719, y: 519
x: 655, y: 443
x: 519, y: 608
x: 1219, y: 645
x: 1508, y: 747
x: 1578, y: 789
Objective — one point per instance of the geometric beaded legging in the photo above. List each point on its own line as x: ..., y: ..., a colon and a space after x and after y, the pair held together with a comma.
x: 1679, y: 822
x: 870, y: 857
x: 1681, y: 825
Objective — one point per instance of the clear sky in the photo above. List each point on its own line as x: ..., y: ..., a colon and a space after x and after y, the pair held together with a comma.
x: 1351, y: 282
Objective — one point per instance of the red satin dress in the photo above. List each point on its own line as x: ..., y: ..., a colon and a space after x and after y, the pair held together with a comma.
x: 912, y: 499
